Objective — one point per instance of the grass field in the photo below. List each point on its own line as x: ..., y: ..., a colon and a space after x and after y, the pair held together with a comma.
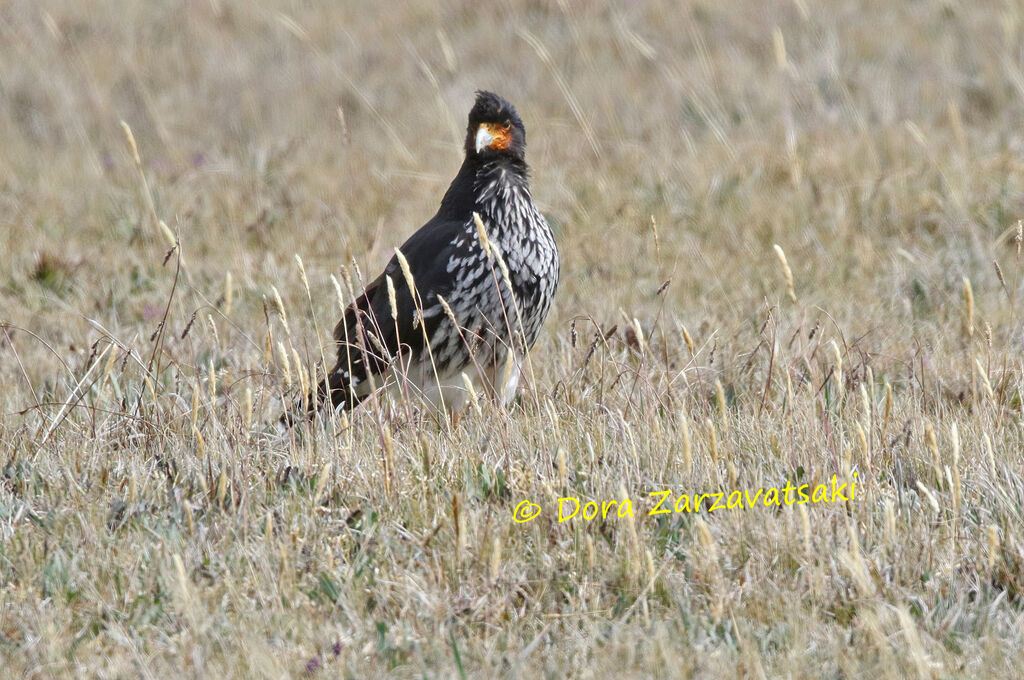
x: 791, y: 250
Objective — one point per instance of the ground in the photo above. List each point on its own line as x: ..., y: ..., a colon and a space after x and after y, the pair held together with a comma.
x: 791, y: 255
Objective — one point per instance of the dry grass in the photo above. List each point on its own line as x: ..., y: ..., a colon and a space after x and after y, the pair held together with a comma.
x: 151, y: 525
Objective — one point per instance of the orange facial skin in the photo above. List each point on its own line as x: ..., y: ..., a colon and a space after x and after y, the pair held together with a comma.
x: 502, y: 135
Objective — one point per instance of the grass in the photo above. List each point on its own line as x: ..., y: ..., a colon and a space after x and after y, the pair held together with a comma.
x: 791, y: 249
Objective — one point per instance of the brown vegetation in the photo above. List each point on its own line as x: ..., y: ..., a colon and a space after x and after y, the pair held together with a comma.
x: 791, y: 250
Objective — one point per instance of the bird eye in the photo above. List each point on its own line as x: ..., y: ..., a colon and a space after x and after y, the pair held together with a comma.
x: 507, y: 125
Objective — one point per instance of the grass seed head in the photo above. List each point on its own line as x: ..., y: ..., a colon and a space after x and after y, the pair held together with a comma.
x: 481, y: 234
x: 406, y: 271
x: 865, y: 405
x: 787, y: 273
x: 338, y: 294
x: 968, y: 308
x: 169, y: 237
x: 302, y: 274
x: 228, y: 293
x: 280, y: 310
x: 993, y: 546
x: 838, y: 357
x: 132, y: 146
x: 779, y: 44
x: 300, y: 371
x: 282, y: 354
x: 321, y: 482
x: 391, y: 298
x: 705, y: 538
x: 999, y: 274
x: 472, y: 393
x: 986, y: 385
x: 722, y: 413
x: 712, y: 441
x: 222, y: 488
x: 638, y: 331
x: 865, y: 451
x: 688, y: 340
x: 195, y: 402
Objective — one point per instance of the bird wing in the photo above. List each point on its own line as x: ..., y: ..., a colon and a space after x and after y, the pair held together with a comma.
x: 367, y: 335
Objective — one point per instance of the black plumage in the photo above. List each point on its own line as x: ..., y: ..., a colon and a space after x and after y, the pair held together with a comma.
x: 417, y: 342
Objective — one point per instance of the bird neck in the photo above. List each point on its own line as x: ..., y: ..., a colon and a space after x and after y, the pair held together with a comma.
x: 477, y: 182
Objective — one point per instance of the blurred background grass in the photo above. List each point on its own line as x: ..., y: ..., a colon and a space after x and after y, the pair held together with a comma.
x: 876, y: 142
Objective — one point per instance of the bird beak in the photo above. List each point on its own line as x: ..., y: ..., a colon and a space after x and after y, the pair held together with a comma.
x: 483, y: 138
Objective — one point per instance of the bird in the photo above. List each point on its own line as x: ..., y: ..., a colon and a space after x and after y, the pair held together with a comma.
x: 464, y: 298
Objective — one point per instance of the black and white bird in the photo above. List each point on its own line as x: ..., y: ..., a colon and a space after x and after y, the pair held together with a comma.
x: 478, y: 284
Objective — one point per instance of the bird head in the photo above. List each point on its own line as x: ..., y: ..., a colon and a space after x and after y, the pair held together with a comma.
x: 495, y: 129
